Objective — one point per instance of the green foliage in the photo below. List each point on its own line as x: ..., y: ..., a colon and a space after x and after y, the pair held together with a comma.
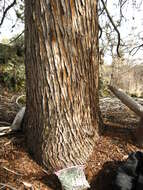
x: 104, y: 80
x: 12, y: 65
x: 4, y: 53
x: 103, y: 87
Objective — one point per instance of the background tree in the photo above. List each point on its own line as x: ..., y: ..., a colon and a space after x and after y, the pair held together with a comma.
x: 120, y: 31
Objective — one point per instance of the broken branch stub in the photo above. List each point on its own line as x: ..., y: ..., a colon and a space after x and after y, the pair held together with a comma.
x: 127, y: 100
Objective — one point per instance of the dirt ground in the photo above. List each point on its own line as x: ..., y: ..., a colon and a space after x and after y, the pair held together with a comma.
x: 18, y: 171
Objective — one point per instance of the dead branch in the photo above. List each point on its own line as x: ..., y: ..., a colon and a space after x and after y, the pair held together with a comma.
x: 4, y: 123
x: 6, y: 11
x: 117, y: 114
x: 127, y: 100
x: 100, y: 29
x: 7, y: 186
x: 136, y: 49
x: 18, y: 98
x: 114, y: 26
x: 17, y: 37
x: 16, y: 173
x: 16, y: 124
x: 8, y: 110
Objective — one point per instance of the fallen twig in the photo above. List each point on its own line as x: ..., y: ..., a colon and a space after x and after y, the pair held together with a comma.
x: 5, y: 123
x: 12, y: 171
x: 18, y: 98
x: 28, y: 185
x: 7, y: 143
x: 45, y: 171
x: 5, y: 130
x: 7, y: 185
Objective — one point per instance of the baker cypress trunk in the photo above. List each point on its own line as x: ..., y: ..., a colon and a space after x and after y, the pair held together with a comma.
x: 62, y: 110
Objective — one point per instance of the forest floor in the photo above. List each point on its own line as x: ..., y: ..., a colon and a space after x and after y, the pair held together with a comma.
x: 18, y: 171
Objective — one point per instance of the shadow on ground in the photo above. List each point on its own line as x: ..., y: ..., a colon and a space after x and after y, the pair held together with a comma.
x: 105, y: 177
x: 52, y: 181
x: 124, y: 134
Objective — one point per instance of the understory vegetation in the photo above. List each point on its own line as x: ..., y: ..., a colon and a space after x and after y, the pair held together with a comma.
x: 12, y: 69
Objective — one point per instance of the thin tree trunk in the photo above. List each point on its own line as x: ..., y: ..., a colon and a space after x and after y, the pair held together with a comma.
x: 62, y: 118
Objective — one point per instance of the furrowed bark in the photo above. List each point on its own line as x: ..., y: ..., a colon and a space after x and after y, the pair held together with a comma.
x: 61, y: 120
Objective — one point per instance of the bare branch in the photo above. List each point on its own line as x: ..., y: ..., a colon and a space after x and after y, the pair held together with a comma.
x: 114, y: 26
x: 6, y: 10
x: 16, y: 37
x: 136, y: 49
x: 121, y: 4
x: 101, y: 9
x: 100, y: 29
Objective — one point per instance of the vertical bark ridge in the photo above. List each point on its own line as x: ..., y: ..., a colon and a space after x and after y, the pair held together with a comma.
x: 62, y: 80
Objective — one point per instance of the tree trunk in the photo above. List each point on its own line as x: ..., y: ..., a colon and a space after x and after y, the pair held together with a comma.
x: 62, y: 109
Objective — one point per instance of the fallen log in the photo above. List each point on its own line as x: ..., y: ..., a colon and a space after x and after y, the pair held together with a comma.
x: 127, y: 100
x: 136, y: 108
x: 8, y: 111
x: 16, y: 124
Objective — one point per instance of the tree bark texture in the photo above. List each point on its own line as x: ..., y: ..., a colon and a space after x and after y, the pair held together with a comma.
x: 61, y: 41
